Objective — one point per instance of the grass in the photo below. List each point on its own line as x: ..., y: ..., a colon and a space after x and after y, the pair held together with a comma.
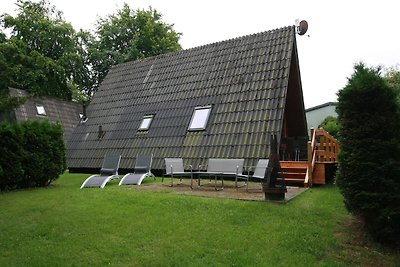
x: 64, y: 226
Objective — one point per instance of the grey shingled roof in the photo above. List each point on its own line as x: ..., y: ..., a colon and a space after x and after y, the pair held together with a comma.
x: 245, y: 81
x: 57, y: 110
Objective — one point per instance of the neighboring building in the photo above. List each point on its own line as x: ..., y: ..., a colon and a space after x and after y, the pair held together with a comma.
x: 222, y: 100
x: 67, y: 113
x: 317, y: 114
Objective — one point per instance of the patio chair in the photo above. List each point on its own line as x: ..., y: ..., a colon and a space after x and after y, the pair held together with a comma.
x: 259, y: 173
x: 108, y: 171
x: 142, y: 170
x: 174, y: 168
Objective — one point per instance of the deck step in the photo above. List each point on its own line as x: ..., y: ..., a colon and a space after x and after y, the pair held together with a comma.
x: 295, y: 175
x: 293, y: 172
x: 288, y: 164
x: 293, y: 181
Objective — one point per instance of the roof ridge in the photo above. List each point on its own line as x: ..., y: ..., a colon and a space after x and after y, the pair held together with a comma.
x: 237, y: 38
x: 331, y: 103
x: 188, y: 50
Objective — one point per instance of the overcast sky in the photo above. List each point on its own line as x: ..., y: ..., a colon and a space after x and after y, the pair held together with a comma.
x: 341, y: 32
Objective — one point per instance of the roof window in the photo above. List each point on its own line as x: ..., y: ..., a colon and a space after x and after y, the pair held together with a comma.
x: 199, y: 118
x: 40, y: 110
x: 146, y: 122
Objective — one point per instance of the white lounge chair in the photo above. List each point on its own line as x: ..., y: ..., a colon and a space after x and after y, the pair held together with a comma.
x: 108, y: 171
x: 142, y: 170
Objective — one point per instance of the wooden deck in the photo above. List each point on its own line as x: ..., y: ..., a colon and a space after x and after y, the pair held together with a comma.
x: 322, y: 156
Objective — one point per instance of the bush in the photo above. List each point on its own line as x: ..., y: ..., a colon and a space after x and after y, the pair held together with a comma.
x: 330, y: 125
x: 11, y: 153
x: 368, y: 174
x: 32, y: 154
x: 45, y: 156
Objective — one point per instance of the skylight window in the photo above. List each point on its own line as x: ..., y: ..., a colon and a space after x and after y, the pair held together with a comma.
x: 40, y: 110
x: 200, y: 118
x: 146, y: 123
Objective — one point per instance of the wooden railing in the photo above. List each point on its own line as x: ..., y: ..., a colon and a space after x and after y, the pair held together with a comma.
x: 323, y: 147
x: 327, y: 146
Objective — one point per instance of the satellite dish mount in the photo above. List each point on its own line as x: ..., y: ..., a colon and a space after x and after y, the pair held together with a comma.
x: 302, y: 27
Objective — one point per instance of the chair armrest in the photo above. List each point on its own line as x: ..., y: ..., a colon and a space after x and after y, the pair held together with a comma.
x: 189, y: 167
x: 249, y: 168
x: 202, y: 167
x: 171, y: 169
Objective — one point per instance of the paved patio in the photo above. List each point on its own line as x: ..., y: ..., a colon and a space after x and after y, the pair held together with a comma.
x: 207, y: 189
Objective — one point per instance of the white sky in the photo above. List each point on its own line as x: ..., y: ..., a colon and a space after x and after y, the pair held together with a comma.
x: 342, y: 32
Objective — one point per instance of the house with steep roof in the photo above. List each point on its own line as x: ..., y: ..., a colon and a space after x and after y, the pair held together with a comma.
x: 222, y: 100
x: 316, y: 115
x: 53, y: 109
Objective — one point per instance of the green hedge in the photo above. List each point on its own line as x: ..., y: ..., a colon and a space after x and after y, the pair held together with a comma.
x: 32, y: 154
x: 369, y: 169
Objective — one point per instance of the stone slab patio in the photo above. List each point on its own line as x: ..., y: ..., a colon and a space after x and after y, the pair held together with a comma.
x: 207, y: 189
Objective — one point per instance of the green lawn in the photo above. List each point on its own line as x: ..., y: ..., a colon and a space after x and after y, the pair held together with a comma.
x: 65, y: 226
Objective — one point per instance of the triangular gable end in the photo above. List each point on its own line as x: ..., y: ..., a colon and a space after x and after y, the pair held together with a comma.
x: 294, y: 136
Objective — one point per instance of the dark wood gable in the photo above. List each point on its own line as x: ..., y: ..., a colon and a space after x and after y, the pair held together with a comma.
x: 245, y: 81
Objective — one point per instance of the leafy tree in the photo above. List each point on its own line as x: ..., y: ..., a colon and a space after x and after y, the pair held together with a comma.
x: 2, y: 37
x: 330, y: 125
x: 30, y: 70
x: 42, y: 55
x: 369, y: 169
x: 129, y: 35
x: 392, y: 78
x: 10, y: 103
x: 46, y: 56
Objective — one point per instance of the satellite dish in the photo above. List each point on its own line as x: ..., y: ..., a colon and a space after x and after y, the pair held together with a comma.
x: 302, y: 28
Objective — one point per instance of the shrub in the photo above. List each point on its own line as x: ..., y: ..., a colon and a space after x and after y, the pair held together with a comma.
x: 32, y: 153
x: 330, y: 125
x: 369, y: 171
x: 11, y: 153
x: 45, y: 156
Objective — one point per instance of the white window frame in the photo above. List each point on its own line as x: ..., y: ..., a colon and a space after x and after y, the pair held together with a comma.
x: 40, y: 110
x: 146, y: 122
x: 199, y: 118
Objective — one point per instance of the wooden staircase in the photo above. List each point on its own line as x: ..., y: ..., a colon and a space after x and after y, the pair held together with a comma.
x: 293, y: 172
x: 322, y: 149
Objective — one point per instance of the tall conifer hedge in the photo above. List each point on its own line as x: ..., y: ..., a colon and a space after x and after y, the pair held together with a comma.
x: 369, y: 162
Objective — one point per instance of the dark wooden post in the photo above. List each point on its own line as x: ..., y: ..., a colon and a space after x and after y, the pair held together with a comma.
x: 271, y: 189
